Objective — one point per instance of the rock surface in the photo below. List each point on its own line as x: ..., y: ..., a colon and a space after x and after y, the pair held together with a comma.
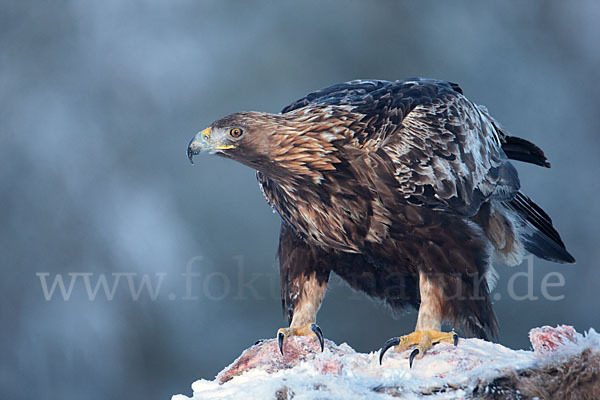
x: 473, y: 369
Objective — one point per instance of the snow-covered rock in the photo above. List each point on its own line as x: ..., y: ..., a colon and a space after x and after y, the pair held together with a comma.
x: 563, y: 363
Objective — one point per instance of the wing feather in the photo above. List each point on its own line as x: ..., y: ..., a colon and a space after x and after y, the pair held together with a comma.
x: 446, y: 155
x: 445, y: 151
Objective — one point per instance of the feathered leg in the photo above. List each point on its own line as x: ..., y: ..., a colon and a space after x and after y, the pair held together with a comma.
x: 304, y: 277
x: 308, y: 293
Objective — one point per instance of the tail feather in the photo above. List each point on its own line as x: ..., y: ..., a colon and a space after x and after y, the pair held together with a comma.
x: 522, y: 150
x: 539, y: 236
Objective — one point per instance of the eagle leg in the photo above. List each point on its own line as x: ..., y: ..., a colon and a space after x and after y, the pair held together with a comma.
x: 284, y: 333
x: 424, y: 340
x: 429, y: 322
x: 304, y: 276
x: 309, y: 292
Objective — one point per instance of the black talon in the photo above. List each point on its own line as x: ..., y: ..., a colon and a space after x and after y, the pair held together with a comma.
x: 455, y: 338
x: 395, y: 341
x: 315, y: 328
x: 280, y: 337
x: 412, y: 357
x: 259, y: 341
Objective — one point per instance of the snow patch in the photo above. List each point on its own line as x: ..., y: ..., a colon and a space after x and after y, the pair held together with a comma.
x: 445, y: 372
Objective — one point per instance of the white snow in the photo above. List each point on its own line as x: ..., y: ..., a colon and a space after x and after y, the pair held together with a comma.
x: 445, y: 372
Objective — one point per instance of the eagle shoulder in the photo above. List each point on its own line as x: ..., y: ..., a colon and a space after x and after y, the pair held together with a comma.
x: 445, y: 151
x: 447, y: 154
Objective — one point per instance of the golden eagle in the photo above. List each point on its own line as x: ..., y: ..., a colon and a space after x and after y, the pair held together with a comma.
x: 404, y: 189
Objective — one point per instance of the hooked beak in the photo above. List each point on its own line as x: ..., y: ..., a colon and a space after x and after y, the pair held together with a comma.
x: 202, y: 143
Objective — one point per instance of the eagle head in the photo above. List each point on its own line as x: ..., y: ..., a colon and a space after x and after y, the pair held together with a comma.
x: 298, y: 145
x: 244, y: 137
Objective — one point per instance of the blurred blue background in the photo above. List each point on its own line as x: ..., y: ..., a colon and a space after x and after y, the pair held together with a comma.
x: 99, y: 100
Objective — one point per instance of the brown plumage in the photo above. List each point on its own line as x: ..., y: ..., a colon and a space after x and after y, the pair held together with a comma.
x: 404, y: 189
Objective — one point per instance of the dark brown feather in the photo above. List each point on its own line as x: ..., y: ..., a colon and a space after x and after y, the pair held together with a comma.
x: 522, y: 150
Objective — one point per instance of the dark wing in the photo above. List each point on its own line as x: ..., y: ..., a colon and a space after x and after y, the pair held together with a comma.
x: 349, y: 93
x: 444, y: 151
x: 447, y: 155
x: 358, y: 92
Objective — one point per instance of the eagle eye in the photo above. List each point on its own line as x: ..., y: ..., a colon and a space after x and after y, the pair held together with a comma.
x: 235, y: 132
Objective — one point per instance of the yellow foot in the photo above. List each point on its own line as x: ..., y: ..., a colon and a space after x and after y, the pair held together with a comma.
x: 423, y: 339
x: 284, y: 333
